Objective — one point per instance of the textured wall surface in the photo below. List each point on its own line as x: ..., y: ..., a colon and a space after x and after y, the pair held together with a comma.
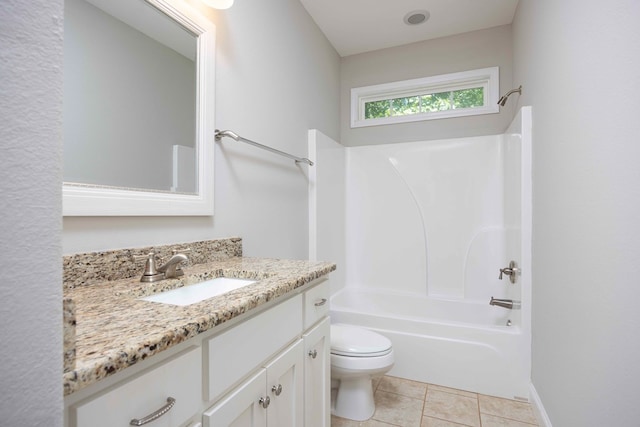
x: 578, y: 64
x: 30, y: 180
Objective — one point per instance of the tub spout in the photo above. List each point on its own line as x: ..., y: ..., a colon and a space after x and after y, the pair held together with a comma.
x: 506, y: 303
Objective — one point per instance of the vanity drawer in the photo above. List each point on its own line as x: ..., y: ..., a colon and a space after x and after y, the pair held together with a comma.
x: 316, y: 303
x: 236, y: 352
x: 179, y: 378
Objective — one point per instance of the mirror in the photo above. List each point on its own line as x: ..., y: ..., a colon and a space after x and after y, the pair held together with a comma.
x: 138, y: 108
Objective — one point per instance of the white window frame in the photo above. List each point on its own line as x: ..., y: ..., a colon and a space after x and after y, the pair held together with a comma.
x: 487, y: 78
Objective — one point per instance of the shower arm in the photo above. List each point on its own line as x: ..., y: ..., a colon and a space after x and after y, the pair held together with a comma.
x: 503, y: 99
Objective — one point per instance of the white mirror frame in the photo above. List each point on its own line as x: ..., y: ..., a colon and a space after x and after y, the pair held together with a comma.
x: 104, y: 201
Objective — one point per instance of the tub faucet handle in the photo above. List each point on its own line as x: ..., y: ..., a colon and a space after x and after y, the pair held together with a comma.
x: 512, y: 271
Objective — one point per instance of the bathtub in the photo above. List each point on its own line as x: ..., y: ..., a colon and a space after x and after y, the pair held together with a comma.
x: 454, y: 343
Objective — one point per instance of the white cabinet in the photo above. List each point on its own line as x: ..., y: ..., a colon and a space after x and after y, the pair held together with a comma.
x: 270, y: 369
x: 179, y: 378
x: 317, y: 376
x: 271, y: 397
x: 291, y: 390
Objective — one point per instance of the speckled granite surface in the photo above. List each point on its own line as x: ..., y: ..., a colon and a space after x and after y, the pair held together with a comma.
x: 69, y: 337
x: 114, y: 329
x: 97, y: 267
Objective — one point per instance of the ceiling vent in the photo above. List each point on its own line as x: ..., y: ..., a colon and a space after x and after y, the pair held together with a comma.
x: 416, y: 17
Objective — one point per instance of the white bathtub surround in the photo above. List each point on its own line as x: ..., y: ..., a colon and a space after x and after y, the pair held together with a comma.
x: 327, y: 198
x: 428, y: 226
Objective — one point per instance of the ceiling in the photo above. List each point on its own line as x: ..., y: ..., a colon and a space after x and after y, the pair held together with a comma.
x: 356, y: 26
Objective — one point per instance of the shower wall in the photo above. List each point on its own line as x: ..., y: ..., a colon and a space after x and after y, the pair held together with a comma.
x: 430, y: 218
x: 327, y: 204
x: 517, y: 198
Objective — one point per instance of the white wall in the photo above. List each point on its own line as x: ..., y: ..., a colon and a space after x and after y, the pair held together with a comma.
x: 276, y: 78
x: 578, y: 63
x: 478, y: 49
x: 30, y: 183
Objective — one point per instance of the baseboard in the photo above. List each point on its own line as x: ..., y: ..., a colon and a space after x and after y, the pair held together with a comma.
x: 538, y: 408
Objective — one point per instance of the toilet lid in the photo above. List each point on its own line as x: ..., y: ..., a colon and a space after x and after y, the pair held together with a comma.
x: 357, y: 342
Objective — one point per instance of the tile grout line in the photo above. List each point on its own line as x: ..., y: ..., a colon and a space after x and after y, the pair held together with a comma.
x: 438, y: 418
x: 424, y: 404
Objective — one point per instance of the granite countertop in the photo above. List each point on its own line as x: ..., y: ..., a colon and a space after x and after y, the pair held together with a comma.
x: 114, y: 329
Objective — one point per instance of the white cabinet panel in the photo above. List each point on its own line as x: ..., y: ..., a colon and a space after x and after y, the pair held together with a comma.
x: 179, y: 378
x: 316, y: 303
x: 285, y: 382
x: 241, y: 407
x: 317, y: 375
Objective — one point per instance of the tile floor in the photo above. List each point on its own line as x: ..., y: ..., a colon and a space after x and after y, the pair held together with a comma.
x: 405, y: 403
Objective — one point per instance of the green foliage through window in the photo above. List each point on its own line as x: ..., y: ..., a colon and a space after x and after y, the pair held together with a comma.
x: 428, y: 103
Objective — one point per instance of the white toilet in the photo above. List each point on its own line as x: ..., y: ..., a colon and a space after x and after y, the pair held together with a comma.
x: 357, y: 355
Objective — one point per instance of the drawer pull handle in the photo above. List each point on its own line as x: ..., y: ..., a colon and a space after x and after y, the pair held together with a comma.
x: 264, y: 402
x: 313, y: 353
x: 323, y: 301
x: 154, y: 415
x: 277, y: 389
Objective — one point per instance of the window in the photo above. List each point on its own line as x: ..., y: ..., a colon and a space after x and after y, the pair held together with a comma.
x: 450, y: 95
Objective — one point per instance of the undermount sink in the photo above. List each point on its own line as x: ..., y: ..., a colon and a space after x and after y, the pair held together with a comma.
x: 192, y: 294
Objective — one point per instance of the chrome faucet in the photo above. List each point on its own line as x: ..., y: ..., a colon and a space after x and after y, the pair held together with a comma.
x: 170, y: 268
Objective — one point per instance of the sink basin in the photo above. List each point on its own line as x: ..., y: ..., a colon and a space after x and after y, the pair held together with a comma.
x: 192, y: 294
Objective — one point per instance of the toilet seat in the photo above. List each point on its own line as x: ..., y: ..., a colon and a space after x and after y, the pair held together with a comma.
x: 351, y: 341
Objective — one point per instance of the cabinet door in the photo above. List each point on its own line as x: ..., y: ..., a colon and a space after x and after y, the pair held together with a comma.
x: 241, y: 407
x: 285, y: 387
x: 317, y: 376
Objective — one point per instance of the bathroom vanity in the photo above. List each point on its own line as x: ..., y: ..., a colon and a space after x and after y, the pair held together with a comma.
x: 255, y: 356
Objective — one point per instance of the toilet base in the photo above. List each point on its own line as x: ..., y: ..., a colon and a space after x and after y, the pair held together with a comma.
x: 355, y: 399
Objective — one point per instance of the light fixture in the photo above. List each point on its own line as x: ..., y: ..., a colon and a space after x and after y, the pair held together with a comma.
x: 218, y: 4
x: 416, y: 17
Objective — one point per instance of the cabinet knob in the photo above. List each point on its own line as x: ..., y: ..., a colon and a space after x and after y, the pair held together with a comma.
x: 320, y: 302
x: 313, y: 353
x: 264, y: 402
x: 277, y: 389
